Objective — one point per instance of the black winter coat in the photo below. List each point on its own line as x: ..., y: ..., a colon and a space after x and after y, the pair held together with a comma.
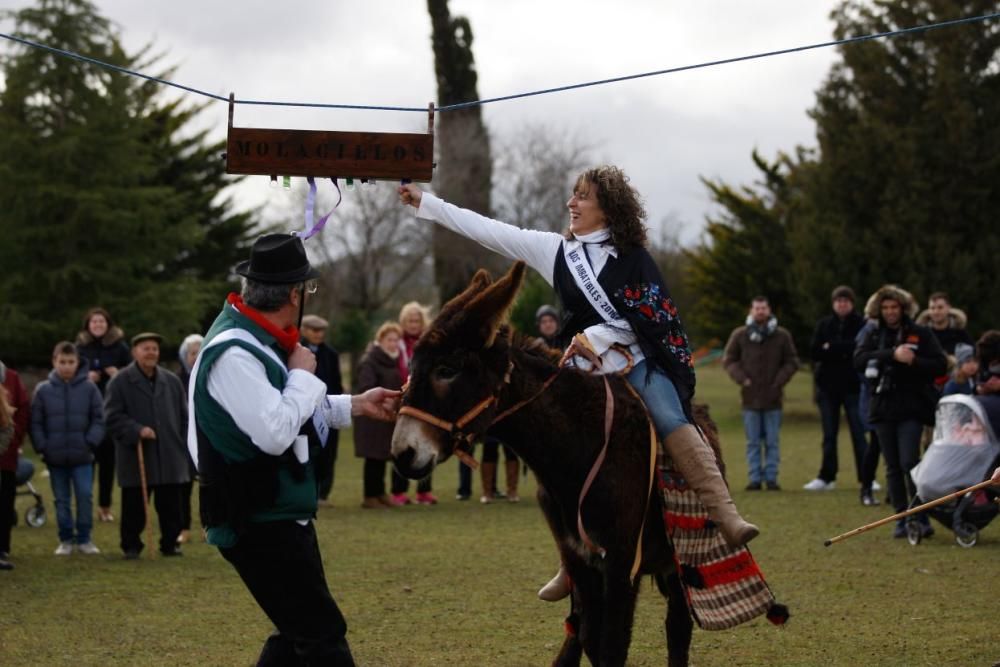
x: 67, y: 421
x: 832, y: 352
x: 132, y: 402
x: 902, y: 392
x: 96, y: 355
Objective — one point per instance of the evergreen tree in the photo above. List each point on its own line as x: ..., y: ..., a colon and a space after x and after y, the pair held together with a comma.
x: 904, y: 186
x: 745, y: 254
x: 106, y: 199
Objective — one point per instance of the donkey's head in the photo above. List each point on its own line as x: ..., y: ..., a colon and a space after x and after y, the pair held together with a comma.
x: 458, y: 368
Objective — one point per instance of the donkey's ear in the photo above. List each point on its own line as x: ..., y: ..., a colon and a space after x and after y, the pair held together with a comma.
x: 479, y: 282
x: 487, y: 311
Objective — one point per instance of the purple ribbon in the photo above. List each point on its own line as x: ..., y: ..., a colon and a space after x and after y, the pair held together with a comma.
x: 310, y: 228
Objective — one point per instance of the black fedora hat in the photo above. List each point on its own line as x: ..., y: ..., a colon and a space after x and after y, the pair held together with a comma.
x: 277, y: 258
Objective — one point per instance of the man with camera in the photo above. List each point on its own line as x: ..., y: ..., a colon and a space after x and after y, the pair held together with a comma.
x: 900, y: 359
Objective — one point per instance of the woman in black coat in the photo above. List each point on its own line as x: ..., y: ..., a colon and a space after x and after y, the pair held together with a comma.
x: 103, y: 352
x: 372, y: 438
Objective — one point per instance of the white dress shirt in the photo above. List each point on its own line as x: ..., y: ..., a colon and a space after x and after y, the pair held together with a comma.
x: 538, y: 250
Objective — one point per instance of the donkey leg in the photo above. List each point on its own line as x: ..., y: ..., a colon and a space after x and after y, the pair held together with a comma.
x: 588, y: 596
x: 618, y: 614
x: 678, y: 623
x: 571, y: 651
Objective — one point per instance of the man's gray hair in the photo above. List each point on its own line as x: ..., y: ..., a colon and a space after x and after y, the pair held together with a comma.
x: 266, y: 297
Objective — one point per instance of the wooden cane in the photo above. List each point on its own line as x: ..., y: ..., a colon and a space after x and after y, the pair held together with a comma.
x: 915, y: 510
x: 145, y: 501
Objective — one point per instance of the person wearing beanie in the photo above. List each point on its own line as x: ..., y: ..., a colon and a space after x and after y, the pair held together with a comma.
x: 837, y: 385
x: 547, y: 323
x: 963, y: 378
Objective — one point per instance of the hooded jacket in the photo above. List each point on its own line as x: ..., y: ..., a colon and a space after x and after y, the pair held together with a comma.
x: 67, y: 420
x: 951, y: 335
x: 97, y: 354
x: 901, y: 392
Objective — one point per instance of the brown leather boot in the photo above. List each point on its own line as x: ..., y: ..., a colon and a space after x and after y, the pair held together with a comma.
x: 513, y: 470
x: 488, y: 473
x: 558, y: 588
x: 695, y: 460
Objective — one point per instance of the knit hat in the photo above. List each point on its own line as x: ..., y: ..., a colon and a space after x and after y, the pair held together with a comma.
x: 964, y: 352
x: 843, y: 292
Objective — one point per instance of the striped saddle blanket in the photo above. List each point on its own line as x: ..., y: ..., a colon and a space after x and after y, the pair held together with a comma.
x: 724, y: 585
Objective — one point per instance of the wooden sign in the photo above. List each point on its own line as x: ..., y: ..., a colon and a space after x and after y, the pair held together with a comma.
x: 327, y: 154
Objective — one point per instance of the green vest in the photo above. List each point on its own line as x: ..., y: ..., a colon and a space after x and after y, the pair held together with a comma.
x: 295, y: 500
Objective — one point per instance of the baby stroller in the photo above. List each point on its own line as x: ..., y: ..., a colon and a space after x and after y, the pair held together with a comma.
x: 35, y: 515
x: 964, y: 452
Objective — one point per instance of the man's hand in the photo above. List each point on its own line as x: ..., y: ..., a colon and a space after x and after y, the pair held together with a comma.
x: 747, y: 382
x: 94, y: 376
x: 904, y: 355
x: 302, y: 358
x: 377, y: 403
x: 111, y: 371
x: 996, y: 476
x: 410, y: 194
x: 147, y: 433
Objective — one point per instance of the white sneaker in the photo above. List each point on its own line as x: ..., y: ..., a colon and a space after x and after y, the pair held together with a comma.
x: 64, y: 549
x: 819, y: 485
x: 876, y: 486
x: 89, y: 548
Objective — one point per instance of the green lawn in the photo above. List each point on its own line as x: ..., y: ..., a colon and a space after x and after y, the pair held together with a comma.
x: 455, y: 584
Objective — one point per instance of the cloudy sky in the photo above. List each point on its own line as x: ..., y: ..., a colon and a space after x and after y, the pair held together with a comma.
x: 665, y: 131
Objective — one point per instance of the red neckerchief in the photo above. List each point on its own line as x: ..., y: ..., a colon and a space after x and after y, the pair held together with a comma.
x: 287, y: 338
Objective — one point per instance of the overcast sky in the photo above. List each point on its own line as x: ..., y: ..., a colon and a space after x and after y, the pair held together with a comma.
x: 664, y: 131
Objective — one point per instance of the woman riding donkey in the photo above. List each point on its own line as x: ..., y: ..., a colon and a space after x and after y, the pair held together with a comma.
x: 617, y: 313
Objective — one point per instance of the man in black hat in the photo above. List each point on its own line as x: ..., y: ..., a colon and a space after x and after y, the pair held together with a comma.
x: 145, y: 406
x: 259, y: 416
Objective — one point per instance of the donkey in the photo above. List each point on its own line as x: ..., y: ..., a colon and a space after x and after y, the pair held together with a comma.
x: 466, y: 371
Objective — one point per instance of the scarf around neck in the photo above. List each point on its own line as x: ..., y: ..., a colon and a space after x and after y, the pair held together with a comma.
x: 757, y: 332
x: 287, y: 338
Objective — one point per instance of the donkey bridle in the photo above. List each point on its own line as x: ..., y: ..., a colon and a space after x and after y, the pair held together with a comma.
x: 457, y: 429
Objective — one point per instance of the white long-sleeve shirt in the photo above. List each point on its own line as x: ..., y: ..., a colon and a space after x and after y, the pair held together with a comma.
x: 538, y: 250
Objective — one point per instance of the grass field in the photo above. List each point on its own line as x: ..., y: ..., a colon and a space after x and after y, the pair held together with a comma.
x: 455, y: 584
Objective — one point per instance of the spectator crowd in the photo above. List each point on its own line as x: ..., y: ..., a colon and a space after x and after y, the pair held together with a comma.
x: 110, y: 409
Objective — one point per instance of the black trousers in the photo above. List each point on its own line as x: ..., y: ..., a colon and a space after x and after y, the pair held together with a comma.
x: 167, y: 500
x: 900, y: 443
x: 8, y: 488
x: 186, y: 490
x: 374, y: 478
x: 830, y: 405
x: 869, y: 465
x: 282, y: 568
x: 401, y: 484
x: 105, y: 463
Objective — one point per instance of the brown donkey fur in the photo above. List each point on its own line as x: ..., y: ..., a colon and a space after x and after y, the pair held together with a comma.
x: 467, y: 355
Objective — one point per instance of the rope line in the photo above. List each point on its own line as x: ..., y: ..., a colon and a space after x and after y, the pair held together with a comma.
x: 545, y: 91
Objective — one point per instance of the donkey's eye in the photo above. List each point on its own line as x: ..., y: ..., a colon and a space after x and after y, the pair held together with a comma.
x: 445, y: 373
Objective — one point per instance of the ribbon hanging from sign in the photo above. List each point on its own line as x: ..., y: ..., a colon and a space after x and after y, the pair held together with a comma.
x: 310, y: 228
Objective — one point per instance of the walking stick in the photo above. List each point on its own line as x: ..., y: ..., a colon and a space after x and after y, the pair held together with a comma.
x: 915, y: 510
x: 145, y: 501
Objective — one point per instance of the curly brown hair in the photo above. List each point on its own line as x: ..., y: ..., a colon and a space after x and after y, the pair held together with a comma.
x: 620, y: 203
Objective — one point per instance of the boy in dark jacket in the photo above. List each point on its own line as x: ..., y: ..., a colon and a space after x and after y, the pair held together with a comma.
x: 67, y: 424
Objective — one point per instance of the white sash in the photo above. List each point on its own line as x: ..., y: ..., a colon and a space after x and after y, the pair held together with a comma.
x: 576, y: 259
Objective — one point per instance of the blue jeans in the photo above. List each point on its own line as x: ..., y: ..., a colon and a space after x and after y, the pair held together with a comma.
x: 762, y: 428
x: 82, y: 480
x: 660, y: 397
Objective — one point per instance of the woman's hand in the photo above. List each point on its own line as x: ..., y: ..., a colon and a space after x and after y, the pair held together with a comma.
x: 410, y: 194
